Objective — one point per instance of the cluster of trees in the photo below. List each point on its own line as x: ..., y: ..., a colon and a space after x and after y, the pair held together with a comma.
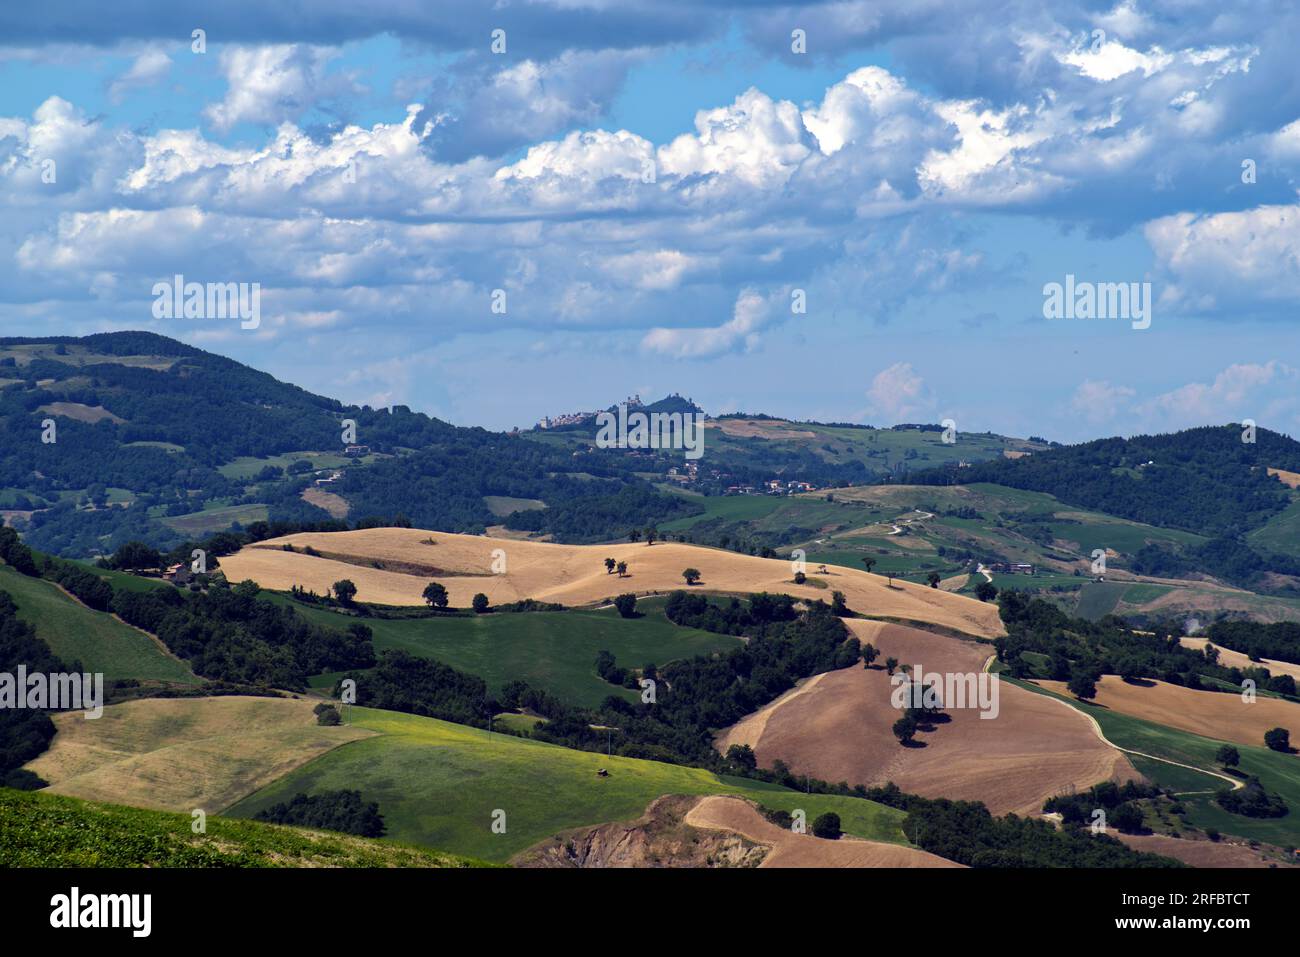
x: 1080, y: 651
x: 1280, y: 640
x: 1228, y: 557
x: 694, y: 610
x: 227, y: 633
x: 342, y: 811
x: 24, y: 733
x: 1118, y: 801
x: 1204, y: 480
x: 1252, y: 801
x: 965, y: 832
x: 402, y: 682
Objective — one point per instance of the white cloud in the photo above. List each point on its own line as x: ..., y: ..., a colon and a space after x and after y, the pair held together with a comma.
x: 751, y: 314
x: 147, y: 69
x: 274, y: 83
x: 899, y: 394
x: 1099, y: 401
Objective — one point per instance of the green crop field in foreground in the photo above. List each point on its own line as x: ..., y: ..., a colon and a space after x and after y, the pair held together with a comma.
x: 437, y: 785
x: 47, y: 830
x: 98, y: 640
x: 1279, y: 773
x: 551, y: 650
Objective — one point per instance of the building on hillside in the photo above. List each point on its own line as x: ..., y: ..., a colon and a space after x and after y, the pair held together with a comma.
x: 1011, y: 568
x: 356, y: 451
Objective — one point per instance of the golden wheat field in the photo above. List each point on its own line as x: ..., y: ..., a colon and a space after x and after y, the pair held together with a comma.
x: 392, y: 566
x: 183, y: 754
x: 1211, y: 714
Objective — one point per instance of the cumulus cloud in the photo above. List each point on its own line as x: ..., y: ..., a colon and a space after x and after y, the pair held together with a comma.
x: 899, y: 394
x: 146, y: 70
x: 1099, y: 401
x: 1249, y: 260
x: 752, y: 312
x: 270, y: 84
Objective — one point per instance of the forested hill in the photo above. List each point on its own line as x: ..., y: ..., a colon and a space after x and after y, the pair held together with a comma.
x: 149, y: 435
x: 166, y: 391
x: 1206, y: 480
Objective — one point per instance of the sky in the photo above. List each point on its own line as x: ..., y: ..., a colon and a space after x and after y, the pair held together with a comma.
x: 849, y: 211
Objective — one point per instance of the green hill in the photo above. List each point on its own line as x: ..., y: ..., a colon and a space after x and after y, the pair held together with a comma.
x: 438, y: 785
x: 45, y: 830
x: 551, y: 650
x: 98, y: 640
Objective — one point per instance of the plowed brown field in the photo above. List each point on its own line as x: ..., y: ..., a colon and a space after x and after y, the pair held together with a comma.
x: 837, y: 727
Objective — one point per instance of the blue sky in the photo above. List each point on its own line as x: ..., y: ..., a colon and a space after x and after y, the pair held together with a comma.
x: 652, y: 186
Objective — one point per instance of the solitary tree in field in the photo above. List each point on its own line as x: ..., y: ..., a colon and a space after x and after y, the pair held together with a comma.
x: 345, y: 591
x: 933, y: 579
x: 827, y: 826
x: 691, y: 575
x: 890, y: 576
x: 609, y: 566
x: 480, y: 603
x: 1083, y: 685
x: 436, y: 595
x: 869, y: 562
x: 800, y: 578
x: 869, y: 654
x: 905, y: 729
x: 1228, y: 756
x: 1279, y: 739
x: 650, y: 535
x: 890, y: 665
x: 626, y: 605
x: 622, y: 569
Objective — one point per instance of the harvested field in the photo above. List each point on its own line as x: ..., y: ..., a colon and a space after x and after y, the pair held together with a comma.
x: 336, y: 505
x: 1291, y: 479
x: 760, y: 428
x: 1211, y: 714
x: 1198, y: 853
x: 82, y: 413
x: 802, y: 850
x: 1235, y: 659
x: 573, y: 574
x: 837, y: 727
x: 178, y: 754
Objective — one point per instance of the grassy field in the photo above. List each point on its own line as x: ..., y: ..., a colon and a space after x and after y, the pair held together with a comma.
x: 555, y: 651
x: 1282, y: 532
x: 1279, y: 773
x: 729, y: 508
x: 1099, y: 598
x: 247, y: 467
x: 45, y: 830
x: 438, y: 785
x: 99, y: 641
x: 216, y: 519
x: 503, y: 505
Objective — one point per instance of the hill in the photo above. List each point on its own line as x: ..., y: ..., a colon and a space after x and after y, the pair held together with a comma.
x: 44, y: 830
x: 393, y: 565
x: 178, y: 754
x: 449, y: 802
x: 155, y: 440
